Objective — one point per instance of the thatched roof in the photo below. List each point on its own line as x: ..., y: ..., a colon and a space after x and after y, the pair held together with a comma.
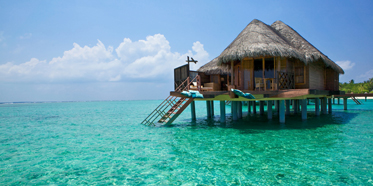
x: 256, y: 40
x: 310, y: 52
x: 278, y: 40
x: 212, y: 67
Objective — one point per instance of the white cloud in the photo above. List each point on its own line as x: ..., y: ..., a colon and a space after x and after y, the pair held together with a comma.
x: 143, y: 59
x: 345, y: 65
x: 25, y: 36
x: 368, y: 74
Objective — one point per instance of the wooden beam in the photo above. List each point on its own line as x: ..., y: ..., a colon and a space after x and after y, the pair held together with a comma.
x: 287, y: 107
x: 345, y: 103
x: 232, y: 77
x: 330, y: 105
x: 234, y: 110
x: 239, y: 109
x: 261, y: 107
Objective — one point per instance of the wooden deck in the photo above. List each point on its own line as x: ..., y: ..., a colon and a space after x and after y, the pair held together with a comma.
x: 267, y: 95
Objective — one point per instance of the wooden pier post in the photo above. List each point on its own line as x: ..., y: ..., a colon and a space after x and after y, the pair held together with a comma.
x: 261, y: 107
x: 323, y: 105
x: 234, y: 110
x: 208, y: 108
x: 269, y: 109
x: 222, y: 111
x: 330, y: 105
x: 276, y: 105
x: 248, y: 107
x: 254, y: 107
x: 282, y: 111
x: 338, y: 100
x: 317, y: 106
x: 193, y: 110
x: 333, y: 101
x: 296, y: 106
x: 345, y: 103
x: 304, y: 109
x: 239, y: 109
x: 212, y: 108
x: 287, y: 105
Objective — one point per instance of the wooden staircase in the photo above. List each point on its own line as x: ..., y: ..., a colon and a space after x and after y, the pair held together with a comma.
x: 171, y: 107
x: 356, y: 100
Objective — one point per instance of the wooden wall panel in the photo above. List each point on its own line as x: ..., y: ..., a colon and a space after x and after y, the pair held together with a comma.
x: 317, y: 75
x: 331, y: 80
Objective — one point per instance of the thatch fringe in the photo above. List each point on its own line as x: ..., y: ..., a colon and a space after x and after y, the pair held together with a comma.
x: 212, y: 67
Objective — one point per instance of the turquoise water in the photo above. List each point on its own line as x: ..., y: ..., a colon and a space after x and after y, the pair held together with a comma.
x: 103, y: 143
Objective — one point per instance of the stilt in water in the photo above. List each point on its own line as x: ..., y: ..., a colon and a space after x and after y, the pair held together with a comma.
x: 193, y: 110
x: 269, y: 109
x: 282, y: 111
x: 276, y: 105
x: 234, y: 110
x: 212, y: 108
x: 330, y: 105
x: 239, y: 109
x: 208, y: 108
x: 222, y: 111
x: 317, y: 106
x: 323, y: 105
x: 287, y: 105
x: 254, y: 107
x: 261, y: 107
x: 304, y: 109
x: 248, y: 107
x: 345, y: 103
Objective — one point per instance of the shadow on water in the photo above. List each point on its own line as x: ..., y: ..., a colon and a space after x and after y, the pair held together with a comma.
x: 253, y: 123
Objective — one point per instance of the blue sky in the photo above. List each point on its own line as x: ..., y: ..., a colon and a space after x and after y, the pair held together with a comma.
x: 125, y: 50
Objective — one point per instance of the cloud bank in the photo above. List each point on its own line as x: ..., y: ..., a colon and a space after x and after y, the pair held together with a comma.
x: 131, y: 60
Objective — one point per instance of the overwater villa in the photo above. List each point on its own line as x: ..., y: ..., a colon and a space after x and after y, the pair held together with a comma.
x: 272, y: 65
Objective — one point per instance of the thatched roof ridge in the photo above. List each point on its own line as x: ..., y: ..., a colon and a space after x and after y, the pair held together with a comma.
x: 310, y: 52
x: 212, y: 67
x: 256, y: 40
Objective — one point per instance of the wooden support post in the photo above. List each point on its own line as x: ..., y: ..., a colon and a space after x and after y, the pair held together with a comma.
x: 345, y: 103
x: 304, y: 109
x: 338, y: 100
x: 308, y: 101
x: 222, y: 111
x: 269, y: 109
x: 282, y: 111
x: 330, y: 105
x: 317, y: 106
x: 365, y: 98
x: 249, y: 107
x: 287, y: 105
x: 208, y: 108
x: 277, y: 103
x: 295, y: 106
x: 254, y: 107
x: 334, y: 101
x: 239, y: 109
x: 193, y: 110
x: 261, y: 107
x: 323, y: 105
x: 234, y: 110
x: 212, y: 108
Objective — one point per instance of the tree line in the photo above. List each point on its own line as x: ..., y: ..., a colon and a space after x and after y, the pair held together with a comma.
x: 359, y: 88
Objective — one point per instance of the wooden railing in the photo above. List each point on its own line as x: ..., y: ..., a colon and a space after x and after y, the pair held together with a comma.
x: 285, y: 80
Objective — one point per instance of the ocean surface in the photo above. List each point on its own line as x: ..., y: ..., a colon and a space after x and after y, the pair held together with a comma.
x: 103, y: 143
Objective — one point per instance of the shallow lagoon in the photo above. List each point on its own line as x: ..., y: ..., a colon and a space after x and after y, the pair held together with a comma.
x: 104, y: 143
